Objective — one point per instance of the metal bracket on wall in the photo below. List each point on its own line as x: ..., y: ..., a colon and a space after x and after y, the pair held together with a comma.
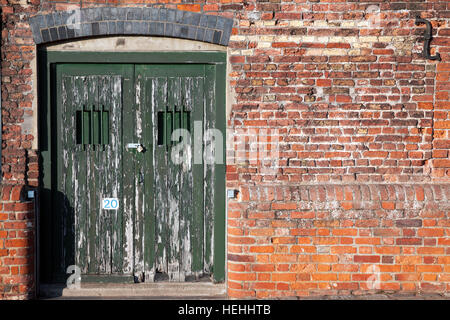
x: 231, y: 194
x: 427, y: 37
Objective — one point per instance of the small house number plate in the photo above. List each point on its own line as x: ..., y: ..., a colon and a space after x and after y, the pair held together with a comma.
x: 110, y: 204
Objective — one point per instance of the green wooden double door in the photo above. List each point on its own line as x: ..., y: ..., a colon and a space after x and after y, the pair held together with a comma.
x: 132, y: 196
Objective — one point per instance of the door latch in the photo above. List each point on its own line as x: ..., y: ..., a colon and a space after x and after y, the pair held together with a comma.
x: 139, y: 147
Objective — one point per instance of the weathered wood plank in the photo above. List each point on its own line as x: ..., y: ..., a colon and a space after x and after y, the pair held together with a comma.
x: 92, y: 181
x: 159, y: 92
x: 80, y: 189
x: 197, y: 226
x: 114, y: 148
x: 149, y: 216
x: 68, y: 152
x: 186, y: 208
x: 139, y: 182
x: 107, y: 178
x: 209, y: 124
x: 128, y: 172
x: 57, y: 199
x: 173, y: 246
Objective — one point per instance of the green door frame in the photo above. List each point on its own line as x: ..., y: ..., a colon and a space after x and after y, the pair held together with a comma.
x: 47, y: 60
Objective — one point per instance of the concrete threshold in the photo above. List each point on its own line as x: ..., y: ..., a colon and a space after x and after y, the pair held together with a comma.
x: 160, y: 290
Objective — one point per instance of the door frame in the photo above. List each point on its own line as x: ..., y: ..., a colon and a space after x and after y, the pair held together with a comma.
x: 47, y: 59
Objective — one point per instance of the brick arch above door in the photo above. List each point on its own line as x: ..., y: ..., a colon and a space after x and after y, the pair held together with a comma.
x: 108, y: 21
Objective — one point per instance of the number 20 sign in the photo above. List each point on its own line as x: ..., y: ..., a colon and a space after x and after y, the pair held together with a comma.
x: 110, y: 203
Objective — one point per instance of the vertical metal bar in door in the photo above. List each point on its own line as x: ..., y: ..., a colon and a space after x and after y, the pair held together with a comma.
x: 105, y: 123
x: 100, y: 139
x: 82, y: 126
x: 182, y: 117
x: 92, y: 128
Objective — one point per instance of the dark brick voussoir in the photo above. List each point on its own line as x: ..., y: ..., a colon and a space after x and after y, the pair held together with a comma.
x: 105, y: 21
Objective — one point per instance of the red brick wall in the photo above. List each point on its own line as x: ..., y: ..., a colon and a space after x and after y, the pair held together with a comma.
x: 315, y: 240
x: 441, y: 107
x: 354, y: 104
x: 19, y: 161
x: 360, y: 115
x: 16, y: 244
